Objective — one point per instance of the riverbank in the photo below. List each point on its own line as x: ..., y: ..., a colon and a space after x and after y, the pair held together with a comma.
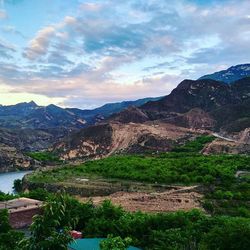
x: 7, y: 179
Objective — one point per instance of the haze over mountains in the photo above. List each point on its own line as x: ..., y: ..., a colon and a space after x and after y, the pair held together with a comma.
x: 153, y: 124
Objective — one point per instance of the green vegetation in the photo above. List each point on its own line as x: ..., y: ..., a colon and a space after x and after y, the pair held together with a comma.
x: 17, y: 185
x: 168, y: 168
x: 231, y: 199
x: 115, y: 243
x: 7, y: 197
x: 225, y: 193
x: 9, y: 239
x: 50, y: 230
x: 164, y: 231
x: 194, y: 146
x: 37, y: 194
x: 46, y: 157
x: 226, y: 198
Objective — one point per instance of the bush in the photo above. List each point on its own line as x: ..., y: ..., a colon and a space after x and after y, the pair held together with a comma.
x: 115, y: 243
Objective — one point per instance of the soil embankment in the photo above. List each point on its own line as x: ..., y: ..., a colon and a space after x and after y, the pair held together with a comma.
x: 177, y: 198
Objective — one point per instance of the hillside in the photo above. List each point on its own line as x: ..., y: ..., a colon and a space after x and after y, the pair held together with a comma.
x: 192, y: 108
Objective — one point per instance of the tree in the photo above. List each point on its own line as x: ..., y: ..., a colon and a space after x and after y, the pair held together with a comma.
x: 4, y: 221
x: 232, y: 234
x: 115, y: 243
x: 8, y: 238
x: 18, y: 185
x: 50, y: 230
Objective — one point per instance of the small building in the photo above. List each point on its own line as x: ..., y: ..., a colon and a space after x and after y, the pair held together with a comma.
x: 90, y: 244
x: 21, y: 211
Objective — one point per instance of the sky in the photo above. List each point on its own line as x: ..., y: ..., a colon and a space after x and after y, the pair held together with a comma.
x: 77, y: 53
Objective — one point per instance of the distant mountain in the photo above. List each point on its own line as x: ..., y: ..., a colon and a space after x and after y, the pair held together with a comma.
x: 98, y: 114
x: 231, y: 74
x: 30, y: 115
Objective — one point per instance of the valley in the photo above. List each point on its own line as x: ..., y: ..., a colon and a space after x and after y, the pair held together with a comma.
x: 178, y: 180
x: 124, y: 125
x: 183, y: 156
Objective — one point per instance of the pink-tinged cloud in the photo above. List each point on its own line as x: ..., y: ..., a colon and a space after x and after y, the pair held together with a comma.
x: 40, y: 44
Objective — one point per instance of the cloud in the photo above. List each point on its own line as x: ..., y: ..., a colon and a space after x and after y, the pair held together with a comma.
x: 91, y: 7
x: 12, y: 30
x: 58, y: 58
x: 109, y: 51
x: 6, y: 50
x: 40, y: 44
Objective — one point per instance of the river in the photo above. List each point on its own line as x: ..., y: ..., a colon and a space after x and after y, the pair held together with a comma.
x: 7, y: 179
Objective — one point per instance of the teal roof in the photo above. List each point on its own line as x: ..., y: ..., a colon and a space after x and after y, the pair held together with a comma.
x: 90, y: 244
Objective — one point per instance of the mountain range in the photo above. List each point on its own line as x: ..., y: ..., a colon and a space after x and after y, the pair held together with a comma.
x: 30, y: 115
x: 26, y: 127
x: 193, y: 108
x: 205, y: 106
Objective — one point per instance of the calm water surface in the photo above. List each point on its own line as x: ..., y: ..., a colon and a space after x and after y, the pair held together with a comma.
x: 7, y: 179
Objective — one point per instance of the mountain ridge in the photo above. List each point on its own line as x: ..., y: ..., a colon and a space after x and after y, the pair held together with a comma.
x: 231, y: 74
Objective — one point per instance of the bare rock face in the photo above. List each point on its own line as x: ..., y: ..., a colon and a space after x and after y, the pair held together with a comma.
x: 199, y: 119
x: 244, y: 136
x: 228, y: 105
x: 91, y: 142
x: 115, y: 137
x: 195, y: 119
x: 220, y: 146
x: 11, y: 159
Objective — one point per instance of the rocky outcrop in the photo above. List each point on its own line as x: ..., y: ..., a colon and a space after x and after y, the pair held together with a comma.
x: 199, y: 119
x: 203, y: 94
x: 244, y: 136
x: 193, y: 107
x: 220, y: 146
x: 11, y: 160
x: 194, y: 119
x: 91, y: 142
